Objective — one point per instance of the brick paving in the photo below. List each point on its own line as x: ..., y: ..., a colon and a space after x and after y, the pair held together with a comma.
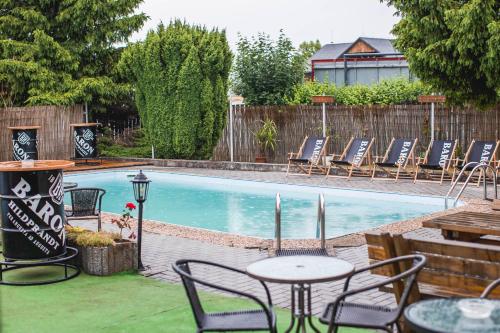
x: 160, y: 251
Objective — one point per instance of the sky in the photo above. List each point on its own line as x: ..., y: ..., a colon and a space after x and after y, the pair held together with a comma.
x: 327, y: 20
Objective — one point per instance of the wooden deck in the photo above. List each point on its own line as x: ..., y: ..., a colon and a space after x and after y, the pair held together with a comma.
x: 106, y: 164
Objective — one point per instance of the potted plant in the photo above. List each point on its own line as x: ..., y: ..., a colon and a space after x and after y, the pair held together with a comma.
x: 104, y: 253
x: 266, y: 138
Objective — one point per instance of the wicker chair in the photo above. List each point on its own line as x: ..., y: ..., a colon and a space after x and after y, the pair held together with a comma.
x: 341, y: 313
x: 490, y: 288
x: 85, y: 204
x: 262, y: 319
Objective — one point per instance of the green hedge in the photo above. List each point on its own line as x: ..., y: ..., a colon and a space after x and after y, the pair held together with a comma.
x: 180, y: 75
x: 393, y: 91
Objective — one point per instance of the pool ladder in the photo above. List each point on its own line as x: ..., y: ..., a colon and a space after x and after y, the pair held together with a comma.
x: 320, y: 231
x: 483, y: 169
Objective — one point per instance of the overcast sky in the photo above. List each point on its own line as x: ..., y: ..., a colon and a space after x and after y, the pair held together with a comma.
x: 326, y: 20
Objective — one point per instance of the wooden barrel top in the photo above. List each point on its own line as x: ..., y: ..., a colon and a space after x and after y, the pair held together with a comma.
x: 39, y: 165
x: 84, y: 124
x: 23, y: 127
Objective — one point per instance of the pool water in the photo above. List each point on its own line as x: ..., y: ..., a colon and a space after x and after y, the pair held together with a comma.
x: 247, y: 207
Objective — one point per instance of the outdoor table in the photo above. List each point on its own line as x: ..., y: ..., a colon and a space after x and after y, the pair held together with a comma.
x: 32, y: 228
x: 444, y: 316
x: 69, y: 185
x: 85, y: 140
x: 466, y: 226
x: 300, y: 272
x: 24, y: 142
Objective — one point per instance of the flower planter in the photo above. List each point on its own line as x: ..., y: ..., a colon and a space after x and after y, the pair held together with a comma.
x: 108, y: 260
x: 260, y: 159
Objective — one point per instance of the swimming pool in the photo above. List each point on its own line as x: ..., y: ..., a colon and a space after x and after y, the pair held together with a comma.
x: 247, y: 207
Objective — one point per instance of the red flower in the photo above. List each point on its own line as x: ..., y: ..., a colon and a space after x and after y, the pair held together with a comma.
x: 130, y: 205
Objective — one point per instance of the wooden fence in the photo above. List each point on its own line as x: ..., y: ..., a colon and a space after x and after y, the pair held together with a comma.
x: 55, y: 139
x: 381, y: 122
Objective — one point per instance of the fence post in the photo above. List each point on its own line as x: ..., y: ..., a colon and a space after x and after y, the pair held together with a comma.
x: 231, y: 144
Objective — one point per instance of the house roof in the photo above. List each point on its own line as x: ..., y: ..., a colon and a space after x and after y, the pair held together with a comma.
x: 336, y: 50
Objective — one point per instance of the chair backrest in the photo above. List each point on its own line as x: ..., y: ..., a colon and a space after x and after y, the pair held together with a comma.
x: 357, y: 150
x: 313, y: 148
x: 486, y: 293
x: 86, y: 201
x: 182, y: 268
x: 441, y: 153
x: 401, y: 271
x: 481, y: 151
x: 463, y: 268
x: 399, y: 151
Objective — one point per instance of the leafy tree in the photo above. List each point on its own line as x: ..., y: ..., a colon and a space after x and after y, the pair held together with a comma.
x: 266, y: 71
x: 180, y: 77
x: 454, y: 45
x: 63, y: 52
x: 307, y: 49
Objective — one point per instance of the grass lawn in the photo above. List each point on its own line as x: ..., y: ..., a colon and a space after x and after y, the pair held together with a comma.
x: 121, y: 303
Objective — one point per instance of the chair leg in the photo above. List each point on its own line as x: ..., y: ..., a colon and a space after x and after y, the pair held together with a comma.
x: 442, y: 177
x: 416, y: 175
x: 351, y: 169
x: 99, y: 226
x: 374, y: 169
x: 287, y: 169
x: 328, y: 170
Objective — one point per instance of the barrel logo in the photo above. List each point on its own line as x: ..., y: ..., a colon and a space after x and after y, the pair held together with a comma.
x: 56, y: 190
x: 88, y: 135
x: 23, y: 138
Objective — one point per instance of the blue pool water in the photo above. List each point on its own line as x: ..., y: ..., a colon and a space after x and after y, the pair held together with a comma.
x: 247, y: 207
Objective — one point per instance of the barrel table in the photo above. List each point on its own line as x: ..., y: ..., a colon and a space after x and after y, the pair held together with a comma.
x: 85, y: 140
x: 24, y: 142
x: 32, y: 214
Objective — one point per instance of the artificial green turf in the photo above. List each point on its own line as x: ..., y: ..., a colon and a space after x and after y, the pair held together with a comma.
x: 124, y: 302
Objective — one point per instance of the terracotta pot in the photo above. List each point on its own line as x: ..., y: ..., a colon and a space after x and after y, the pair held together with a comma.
x: 260, y: 159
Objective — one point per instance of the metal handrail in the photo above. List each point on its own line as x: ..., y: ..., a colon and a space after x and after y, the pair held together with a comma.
x: 320, y: 226
x: 277, y: 221
x: 484, y: 168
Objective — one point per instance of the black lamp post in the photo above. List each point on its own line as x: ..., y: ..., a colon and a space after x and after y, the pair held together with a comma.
x: 141, y: 187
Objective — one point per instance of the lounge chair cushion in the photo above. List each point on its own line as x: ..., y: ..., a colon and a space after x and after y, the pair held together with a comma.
x: 430, y: 167
x: 299, y: 160
x: 388, y: 165
x: 468, y: 168
x: 341, y: 162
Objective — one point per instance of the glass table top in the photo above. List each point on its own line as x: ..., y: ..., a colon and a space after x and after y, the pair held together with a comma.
x: 444, y: 316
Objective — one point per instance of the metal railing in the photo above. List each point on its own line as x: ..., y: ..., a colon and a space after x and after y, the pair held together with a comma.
x: 277, y: 221
x: 483, y: 168
x: 320, y: 226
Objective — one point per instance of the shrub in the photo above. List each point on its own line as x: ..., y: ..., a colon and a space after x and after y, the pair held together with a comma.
x: 391, y: 91
x: 84, y: 237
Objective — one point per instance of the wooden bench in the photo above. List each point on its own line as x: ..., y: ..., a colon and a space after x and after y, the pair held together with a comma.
x: 453, y: 268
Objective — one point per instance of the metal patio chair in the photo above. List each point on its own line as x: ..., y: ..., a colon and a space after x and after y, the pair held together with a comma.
x: 262, y: 319
x: 486, y: 293
x: 342, y: 313
x: 85, y: 204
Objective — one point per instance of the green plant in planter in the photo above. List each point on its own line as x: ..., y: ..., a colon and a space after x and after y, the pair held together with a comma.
x: 267, y: 136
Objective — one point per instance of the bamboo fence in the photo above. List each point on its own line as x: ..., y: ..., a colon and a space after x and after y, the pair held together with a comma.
x: 343, y: 122
x: 54, y: 137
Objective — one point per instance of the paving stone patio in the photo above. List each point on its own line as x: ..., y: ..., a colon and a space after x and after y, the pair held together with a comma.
x: 161, y: 251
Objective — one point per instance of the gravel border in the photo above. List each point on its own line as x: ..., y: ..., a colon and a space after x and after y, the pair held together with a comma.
x: 350, y: 240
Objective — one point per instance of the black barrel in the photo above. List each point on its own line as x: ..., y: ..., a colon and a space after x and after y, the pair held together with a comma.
x: 32, y: 212
x: 85, y: 141
x: 25, y: 144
